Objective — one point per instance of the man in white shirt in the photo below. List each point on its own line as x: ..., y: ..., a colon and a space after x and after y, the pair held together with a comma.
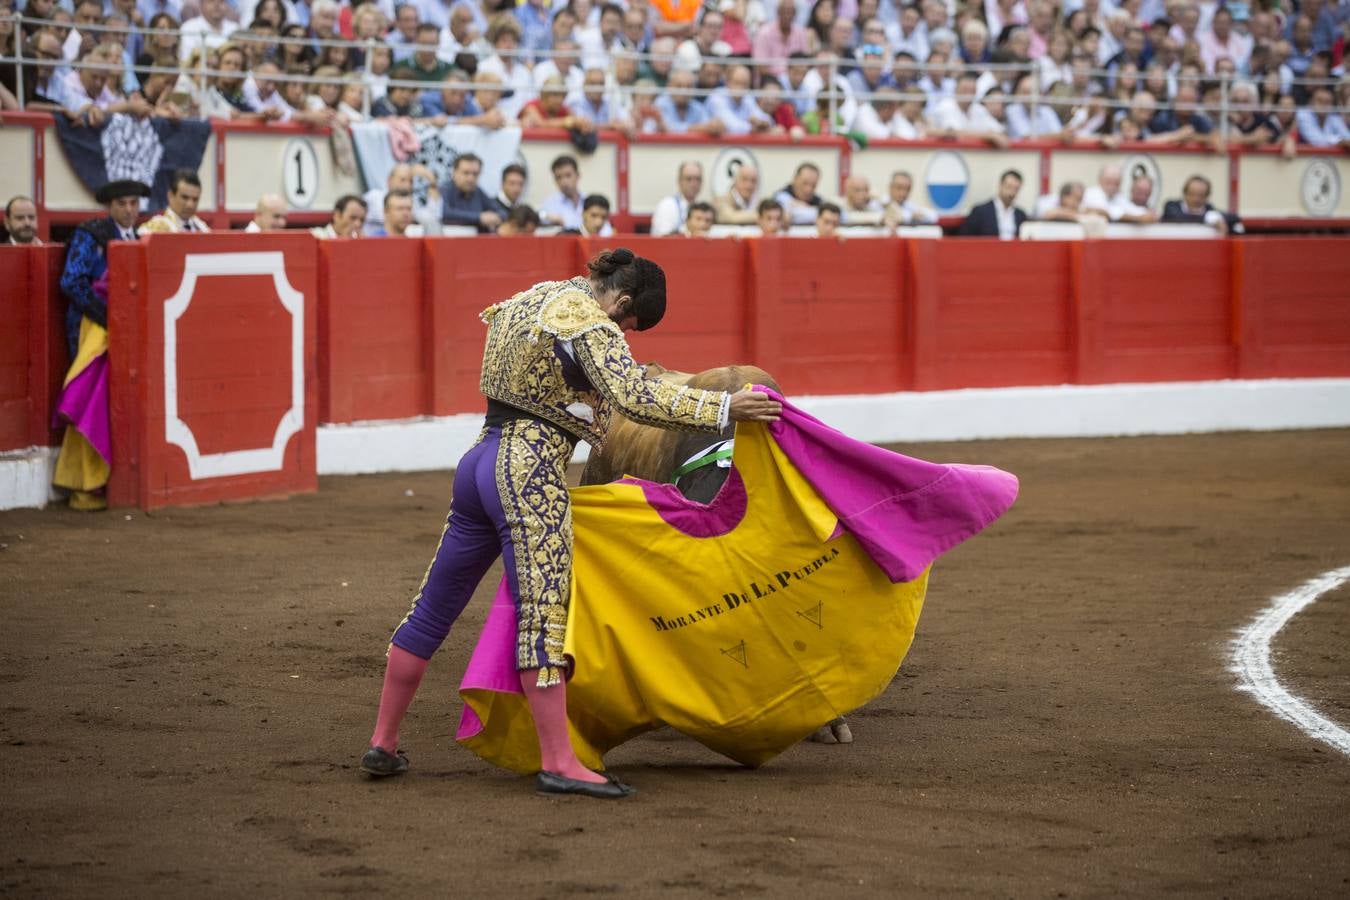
x: 960, y: 116
x: 737, y: 206
x: 900, y: 211
x: 185, y: 192
x: 1137, y: 208
x: 876, y: 119
x: 859, y: 206
x: 595, y: 217
x: 270, y: 215
x: 210, y: 29
x: 564, y: 208
x: 671, y: 212
x: 1105, y: 196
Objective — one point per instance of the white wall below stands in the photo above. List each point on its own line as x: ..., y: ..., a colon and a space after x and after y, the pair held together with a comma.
x: 1032, y: 412
x: 26, y: 477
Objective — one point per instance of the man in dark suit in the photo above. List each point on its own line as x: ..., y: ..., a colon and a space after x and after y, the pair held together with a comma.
x: 1194, y: 206
x: 998, y: 217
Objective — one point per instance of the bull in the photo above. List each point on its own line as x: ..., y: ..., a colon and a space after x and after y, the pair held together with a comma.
x: 686, y: 458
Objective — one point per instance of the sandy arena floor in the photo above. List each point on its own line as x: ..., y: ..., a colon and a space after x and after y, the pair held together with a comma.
x: 184, y: 696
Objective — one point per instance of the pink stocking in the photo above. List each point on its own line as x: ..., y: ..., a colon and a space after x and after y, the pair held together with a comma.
x: 549, y: 708
x: 402, y: 674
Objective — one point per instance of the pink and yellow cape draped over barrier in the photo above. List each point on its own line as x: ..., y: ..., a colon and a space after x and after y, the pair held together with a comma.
x: 748, y: 622
x: 85, y: 459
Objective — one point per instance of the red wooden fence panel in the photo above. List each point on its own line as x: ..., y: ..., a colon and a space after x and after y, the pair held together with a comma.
x: 991, y: 313
x: 1153, y: 311
x: 214, y: 383
x: 467, y: 275
x: 829, y: 316
x: 1293, y: 297
x: 373, y: 327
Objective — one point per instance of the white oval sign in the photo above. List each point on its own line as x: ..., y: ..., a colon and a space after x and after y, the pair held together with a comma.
x: 300, y: 173
x: 1321, y: 187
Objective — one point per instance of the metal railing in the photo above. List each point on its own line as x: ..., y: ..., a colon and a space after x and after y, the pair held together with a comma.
x: 833, y: 68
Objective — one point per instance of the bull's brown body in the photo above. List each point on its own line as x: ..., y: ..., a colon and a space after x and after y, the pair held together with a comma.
x: 650, y: 453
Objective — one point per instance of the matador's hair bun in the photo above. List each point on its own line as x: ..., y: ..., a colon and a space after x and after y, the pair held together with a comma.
x: 640, y: 278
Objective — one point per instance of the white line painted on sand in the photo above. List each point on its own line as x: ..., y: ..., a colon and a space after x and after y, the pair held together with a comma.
x: 1251, y: 660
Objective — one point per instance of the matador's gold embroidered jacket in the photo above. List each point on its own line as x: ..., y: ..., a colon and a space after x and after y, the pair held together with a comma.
x: 522, y: 367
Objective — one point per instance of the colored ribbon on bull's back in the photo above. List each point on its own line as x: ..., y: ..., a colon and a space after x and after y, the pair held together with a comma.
x: 750, y: 621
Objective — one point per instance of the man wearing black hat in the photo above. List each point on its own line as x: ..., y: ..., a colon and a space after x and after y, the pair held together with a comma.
x: 87, y: 253
x: 84, y: 463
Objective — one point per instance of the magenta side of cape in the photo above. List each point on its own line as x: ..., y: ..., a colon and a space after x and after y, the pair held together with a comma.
x: 84, y: 405
x: 904, y: 512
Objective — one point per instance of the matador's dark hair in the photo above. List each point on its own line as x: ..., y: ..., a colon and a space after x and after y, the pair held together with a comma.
x: 644, y: 280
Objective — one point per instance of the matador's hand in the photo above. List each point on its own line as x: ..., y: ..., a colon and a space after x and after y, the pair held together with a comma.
x: 754, y: 406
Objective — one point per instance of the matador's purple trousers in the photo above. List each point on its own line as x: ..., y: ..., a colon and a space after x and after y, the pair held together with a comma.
x: 510, y: 499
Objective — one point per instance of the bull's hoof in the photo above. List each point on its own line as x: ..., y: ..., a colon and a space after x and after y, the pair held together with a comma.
x: 834, y: 732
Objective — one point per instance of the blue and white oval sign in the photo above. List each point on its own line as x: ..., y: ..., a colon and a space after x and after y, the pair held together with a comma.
x: 947, y: 178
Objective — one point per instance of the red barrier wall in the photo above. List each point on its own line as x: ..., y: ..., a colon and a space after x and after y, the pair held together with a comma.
x: 1293, y: 298
x: 466, y: 276
x: 213, y: 377
x: 373, y: 331
x: 391, y: 329
x: 828, y: 316
x: 1153, y: 311
x: 33, y: 356
x: 990, y: 313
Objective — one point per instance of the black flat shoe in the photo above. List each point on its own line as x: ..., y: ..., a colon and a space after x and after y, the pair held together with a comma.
x: 378, y: 763
x: 551, y: 783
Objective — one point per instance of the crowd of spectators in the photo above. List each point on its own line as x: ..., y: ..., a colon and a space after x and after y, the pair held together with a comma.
x: 1095, y: 71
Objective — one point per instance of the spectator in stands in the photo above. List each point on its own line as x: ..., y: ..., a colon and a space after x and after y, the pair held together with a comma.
x: 404, y: 177
x: 224, y: 96
x: 908, y: 123
x: 564, y: 207
x: 426, y: 65
x: 859, y: 206
x: 562, y: 65
x: 900, y: 211
x: 635, y: 33
x: 778, y: 41
x: 208, y: 31
x: 595, y: 217
x: 397, y: 215
x: 41, y: 84
x: 827, y: 220
x: 514, y: 75
x: 999, y: 217
x: 87, y: 95
x: 680, y: 112
x: 402, y: 38
x: 450, y: 102
x: 672, y: 212
x: 598, y: 41
x: 875, y: 119
x: 549, y: 110
x: 511, y: 190
x: 399, y: 100
x: 268, y: 215
x: 1253, y: 127
x: 1105, y: 196
x: 536, y: 28
x: 799, y: 199
x: 735, y: 109
x: 590, y: 102
x: 782, y: 114
x: 261, y: 93
x: 1319, y: 125
x: 769, y: 217
x: 21, y: 222
x: 522, y: 219
x: 698, y: 222
x: 959, y: 116
x: 738, y: 205
x: 349, y: 215
x: 463, y: 201
x: 1137, y: 124
x: 1194, y: 206
x: 1138, y: 207
x: 1067, y: 206
x: 185, y: 191
x: 1028, y: 121
x: 705, y: 43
